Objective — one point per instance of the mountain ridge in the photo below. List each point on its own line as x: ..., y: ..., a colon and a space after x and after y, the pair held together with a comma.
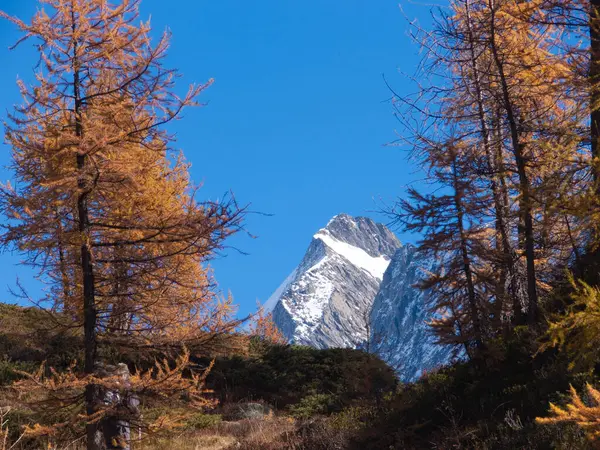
x: 355, y: 284
x: 326, y: 300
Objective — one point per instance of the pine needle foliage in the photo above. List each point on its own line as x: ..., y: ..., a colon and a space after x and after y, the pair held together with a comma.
x: 103, y: 205
x: 58, y: 394
x: 577, y: 330
x: 583, y: 411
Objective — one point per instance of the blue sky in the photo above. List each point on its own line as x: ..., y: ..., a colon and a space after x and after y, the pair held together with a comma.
x: 295, y: 124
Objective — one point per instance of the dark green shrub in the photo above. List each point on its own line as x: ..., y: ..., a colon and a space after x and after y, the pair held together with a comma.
x: 475, y: 406
x: 312, y: 405
x: 284, y: 375
x: 9, y: 370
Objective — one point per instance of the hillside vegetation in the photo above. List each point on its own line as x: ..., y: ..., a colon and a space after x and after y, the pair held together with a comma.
x: 278, y: 396
x: 268, y: 393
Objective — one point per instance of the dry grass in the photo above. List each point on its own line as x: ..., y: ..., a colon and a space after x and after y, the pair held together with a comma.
x: 190, y: 442
x: 271, y: 433
x: 183, y: 442
x: 4, y: 432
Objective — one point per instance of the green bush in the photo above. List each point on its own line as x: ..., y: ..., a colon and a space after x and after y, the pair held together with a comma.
x: 9, y: 370
x: 353, y: 419
x: 14, y: 421
x: 200, y: 421
x: 284, y: 375
x: 471, y: 405
x: 312, y: 405
x: 29, y: 336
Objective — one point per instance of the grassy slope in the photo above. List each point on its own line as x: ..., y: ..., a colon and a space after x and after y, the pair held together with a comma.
x: 306, y: 386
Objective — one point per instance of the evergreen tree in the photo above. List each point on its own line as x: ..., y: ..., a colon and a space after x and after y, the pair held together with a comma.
x: 102, y: 206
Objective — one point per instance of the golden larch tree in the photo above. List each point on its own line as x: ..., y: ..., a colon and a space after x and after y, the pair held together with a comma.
x: 101, y: 204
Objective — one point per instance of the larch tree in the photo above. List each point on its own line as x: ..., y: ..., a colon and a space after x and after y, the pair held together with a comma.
x: 494, y: 89
x: 494, y: 168
x: 101, y: 204
x: 451, y: 234
x: 581, y: 410
x: 263, y: 328
x: 453, y: 218
x: 519, y: 90
x: 580, y: 46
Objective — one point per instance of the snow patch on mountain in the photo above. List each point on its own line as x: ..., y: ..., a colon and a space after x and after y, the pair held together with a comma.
x: 357, y: 256
x: 327, y: 299
x: 274, y: 298
x: 310, y: 310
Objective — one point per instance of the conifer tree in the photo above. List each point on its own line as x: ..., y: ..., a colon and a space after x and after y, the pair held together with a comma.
x: 491, y: 92
x: 451, y: 235
x: 101, y: 205
x: 579, y: 45
x: 585, y: 414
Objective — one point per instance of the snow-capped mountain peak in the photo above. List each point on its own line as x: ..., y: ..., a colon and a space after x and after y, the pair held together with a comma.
x: 355, y: 255
x: 325, y: 302
x: 356, y: 278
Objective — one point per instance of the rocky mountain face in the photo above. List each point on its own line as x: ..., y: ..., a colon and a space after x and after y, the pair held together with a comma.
x: 327, y: 299
x: 399, y: 317
x: 355, y: 285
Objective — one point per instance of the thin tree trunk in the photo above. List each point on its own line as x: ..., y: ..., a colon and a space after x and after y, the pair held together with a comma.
x: 474, y: 309
x: 591, y: 262
x: 594, y: 91
x: 502, y: 241
x: 87, y: 269
x: 573, y: 244
x: 517, y: 305
x: 525, y: 202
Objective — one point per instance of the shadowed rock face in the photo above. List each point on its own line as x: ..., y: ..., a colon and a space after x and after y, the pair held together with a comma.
x: 355, y: 272
x: 326, y: 302
x: 399, y: 318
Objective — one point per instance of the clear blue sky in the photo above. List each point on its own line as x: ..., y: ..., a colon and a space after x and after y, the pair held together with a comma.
x: 296, y: 122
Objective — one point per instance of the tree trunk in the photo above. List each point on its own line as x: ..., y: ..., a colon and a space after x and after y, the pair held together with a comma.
x: 87, y: 269
x: 495, y: 164
x: 591, y: 262
x: 525, y: 202
x: 510, y: 254
x: 594, y: 91
x: 472, y: 297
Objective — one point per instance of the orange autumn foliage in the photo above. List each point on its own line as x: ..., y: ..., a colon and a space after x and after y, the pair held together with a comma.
x: 102, y: 204
x: 263, y: 327
x: 498, y: 125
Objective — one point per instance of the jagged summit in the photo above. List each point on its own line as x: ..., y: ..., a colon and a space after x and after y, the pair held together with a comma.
x: 325, y: 301
x: 362, y: 232
x: 357, y: 278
